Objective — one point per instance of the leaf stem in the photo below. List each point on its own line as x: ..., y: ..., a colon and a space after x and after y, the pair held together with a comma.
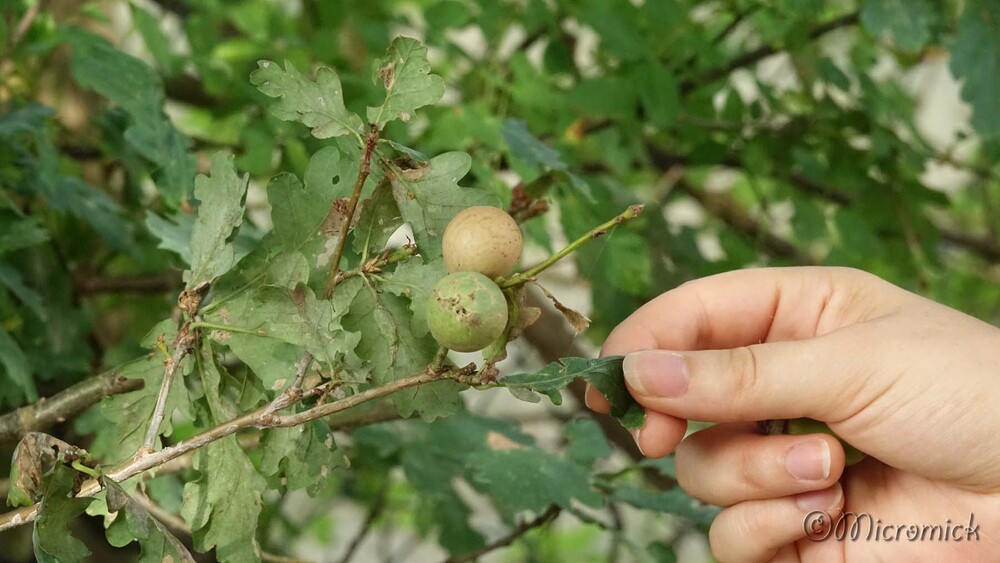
x: 84, y: 469
x: 366, y: 164
x: 632, y: 212
x: 227, y: 328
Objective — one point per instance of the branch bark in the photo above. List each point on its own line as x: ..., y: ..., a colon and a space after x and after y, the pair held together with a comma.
x: 63, y: 405
x: 86, y: 285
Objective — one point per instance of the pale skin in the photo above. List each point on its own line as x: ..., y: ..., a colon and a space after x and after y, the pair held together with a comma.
x: 914, y: 384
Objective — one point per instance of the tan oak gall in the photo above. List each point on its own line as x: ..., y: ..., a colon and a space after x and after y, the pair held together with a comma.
x: 482, y: 239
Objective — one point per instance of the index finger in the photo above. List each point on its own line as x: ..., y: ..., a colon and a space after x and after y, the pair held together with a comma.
x: 747, y: 307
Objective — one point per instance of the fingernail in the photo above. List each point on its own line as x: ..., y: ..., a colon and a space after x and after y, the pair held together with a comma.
x: 656, y: 373
x: 809, y: 460
x: 820, y: 500
x: 586, y: 397
x: 635, y: 436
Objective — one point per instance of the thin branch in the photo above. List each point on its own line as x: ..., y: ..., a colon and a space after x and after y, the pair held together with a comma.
x: 373, y: 514
x: 522, y: 528
x: 724, y: 207
x: 63, y: 405
x: 171, y: 521
x: 632, y: 212
x: 294, y: 391
x: 352, y: 206
x: 141, y: 285
x: 182, y: 345
x: 259, y: 418
x: 23, y: 25
x: 752, y: 57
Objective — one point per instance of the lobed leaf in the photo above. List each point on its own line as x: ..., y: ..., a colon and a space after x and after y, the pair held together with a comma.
x: 222, y: 196
x: 304, y: 457
x: 51, y: 538
x: 133, y: 522
x: 409, y: 85
x: 603, y: 373
x: 317, y: 104
x: 222, y: 505
x: 975, y: 58
x: 429, y: 197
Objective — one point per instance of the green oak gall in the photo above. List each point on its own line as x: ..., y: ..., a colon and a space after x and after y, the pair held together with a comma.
x: 482, y: 239
x: 466, y: 311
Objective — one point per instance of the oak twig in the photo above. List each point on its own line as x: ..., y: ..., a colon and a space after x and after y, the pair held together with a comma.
x: 761, y: 53
x: 632, y: 212
x: 373, y: 513
x: 522, y: 528
x: 262, y: 417
x: 182, y: 345
x: 63, y: 405
x: 366, y: 163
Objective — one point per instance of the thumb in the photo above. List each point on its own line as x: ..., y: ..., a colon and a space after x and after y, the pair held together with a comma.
x: 815, y: 378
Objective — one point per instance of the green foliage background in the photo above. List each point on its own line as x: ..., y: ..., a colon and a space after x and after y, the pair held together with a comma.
x: 595, y: 104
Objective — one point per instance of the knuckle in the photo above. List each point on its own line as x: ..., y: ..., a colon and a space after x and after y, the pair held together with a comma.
x: 734, y: 527
x: 743, y: 367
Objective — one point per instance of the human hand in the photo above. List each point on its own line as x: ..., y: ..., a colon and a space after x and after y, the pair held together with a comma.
x: 910, y: 382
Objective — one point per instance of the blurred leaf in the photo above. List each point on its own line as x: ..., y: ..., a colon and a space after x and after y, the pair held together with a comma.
x: 908, y: 22
x: 175, y: 237
x: 975, y: 59
x: 22, y: 233
x: 587, y: 442
x: 129, y: 82
x: 674, y: 501
x: 627, y: 262
x: 659, y: 93
x: 317, y: 104
x: 222, y: 196
x: 155, y: 38
x: 540, y: 479
x: 14, y: 282
x: 528, y: 148
x: 409, y: 85
x: 16, y: 369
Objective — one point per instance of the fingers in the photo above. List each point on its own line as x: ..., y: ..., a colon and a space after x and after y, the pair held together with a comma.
x: 751, y: 306
x: 757, y: 530
x: 728, y: 464
x: 818, y: 378
x: 595, y: 401
x: 660, y: 435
